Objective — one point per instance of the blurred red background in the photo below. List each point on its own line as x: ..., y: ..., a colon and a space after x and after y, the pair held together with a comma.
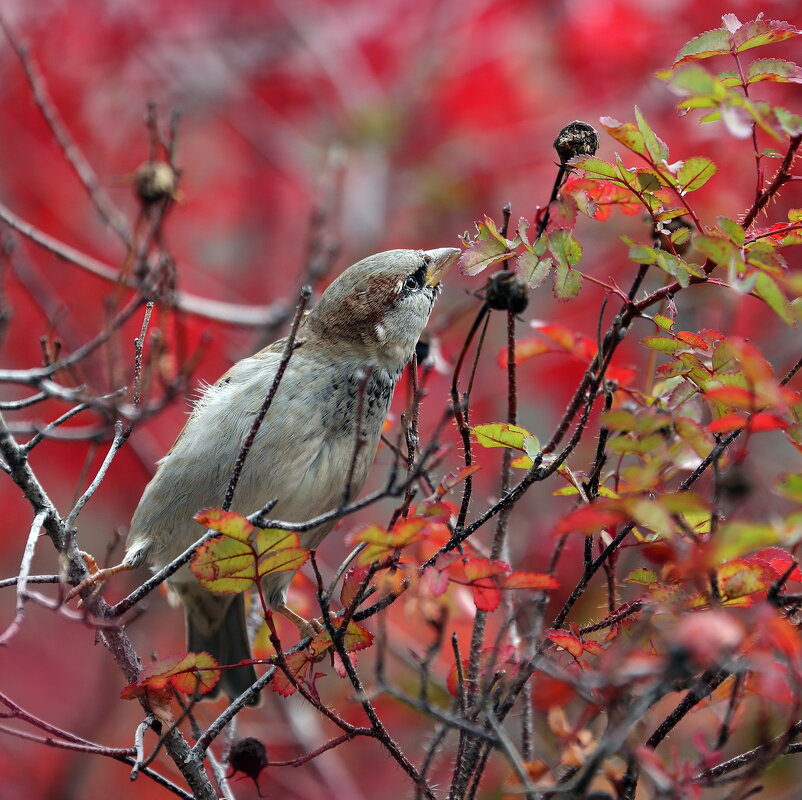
x: 422, y: 117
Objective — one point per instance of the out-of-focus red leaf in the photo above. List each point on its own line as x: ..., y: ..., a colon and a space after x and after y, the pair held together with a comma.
x: 781, y: 560
x: 530, y: 580
x: 589, y: 519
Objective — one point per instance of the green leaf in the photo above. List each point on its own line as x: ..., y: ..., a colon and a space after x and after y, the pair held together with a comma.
x: 732, y: 230
x: 790, y: 123
x: 279, y: 551
x: 790, y: 486
x: 567, y: 282
x: 649, y: 180
x: 663, y: 322
x: 626, y: 133
x: 641, y: 253
x: 767, y: 290
x: 679, y: 236
x: 737, y: 538
x: 674, y: 266
x: 720, y: 251
x: 762, y: 31
x: 694, y: 80
x: 500, y: 435
x: 655, y: 147
x: 619, y: 419
x: 773, y: 69
x: 695, y: 172
x: 489, y: 247
x: 532, y: 269
x: 596, y: 168
x: 532, y: 446
x: 565, y: 249
x: 651, y: 514
x: 642, y: 576
x: 663, y: 344
x: 705, y: 45
x: 228, y: 523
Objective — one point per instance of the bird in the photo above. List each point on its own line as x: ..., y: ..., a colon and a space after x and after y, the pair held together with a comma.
x: 356, y: 342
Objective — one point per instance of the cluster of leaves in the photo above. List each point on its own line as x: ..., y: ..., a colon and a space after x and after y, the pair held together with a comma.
x: 699, y: 600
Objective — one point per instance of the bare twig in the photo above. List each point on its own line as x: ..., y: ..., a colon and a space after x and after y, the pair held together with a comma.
x: 22, y: 577
x: 289, y: 347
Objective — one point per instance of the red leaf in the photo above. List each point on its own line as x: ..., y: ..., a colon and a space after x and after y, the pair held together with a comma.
x: 591, y: 518
x: 189, y: 673
x: 296, y: 663
x: 727, y: 423
x: 781, y: 560
x: 352, y: 581
x: 530, y: 580
x: 766, y: 421
x: 693, y: 339
x: 732, y: 396
x: 570, y: 643
x: 525, y: 349
x: 549, y: 692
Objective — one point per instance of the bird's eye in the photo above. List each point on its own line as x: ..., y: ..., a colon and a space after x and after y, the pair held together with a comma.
x: 415, y: 280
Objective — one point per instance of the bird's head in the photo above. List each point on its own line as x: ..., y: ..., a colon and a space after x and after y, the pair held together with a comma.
x: 380, y: 305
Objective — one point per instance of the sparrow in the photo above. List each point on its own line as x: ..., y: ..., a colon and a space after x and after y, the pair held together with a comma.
x: 355, y: 344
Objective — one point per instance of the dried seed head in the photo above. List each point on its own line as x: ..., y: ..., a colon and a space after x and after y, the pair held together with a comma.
x: 248, y: 756
x: 576, y: 139
x: 506, y: 291
x: 155, y: 181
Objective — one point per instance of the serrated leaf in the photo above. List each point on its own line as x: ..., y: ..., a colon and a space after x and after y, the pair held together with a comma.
x: 226, y: 522
x: 663, y: 322
x: 679, y: 236
x: 567, y: 282
x: 693, y: 339
x: 352, y: 582
x: 767, y: 290
x: 596, y: 168
x: 279, y: 551
x: 570, y: 643
x: 773, y: 69
x: 695, y: 172
x: 662, y: 344
x: 188, y: 673
x: 720, y: 251
x: 655, y: 146
x: 625, y: 132
x: 732, y: 230
x: 354, y: 639
x: 762, y: 31
x: 705, y: 45
x: 480, y: 255
x: 565, y: 249
x: 532, y: 446
x: 532, y: 269
x: 500, y: 435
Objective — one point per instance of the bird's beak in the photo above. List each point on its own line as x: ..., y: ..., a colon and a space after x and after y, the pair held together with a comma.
x: 441, y: 262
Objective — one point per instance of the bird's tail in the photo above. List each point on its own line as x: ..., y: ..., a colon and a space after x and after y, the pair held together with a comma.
x: 216, y: 625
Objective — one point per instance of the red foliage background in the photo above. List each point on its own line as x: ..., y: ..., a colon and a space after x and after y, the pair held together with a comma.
x: 432, y: 115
